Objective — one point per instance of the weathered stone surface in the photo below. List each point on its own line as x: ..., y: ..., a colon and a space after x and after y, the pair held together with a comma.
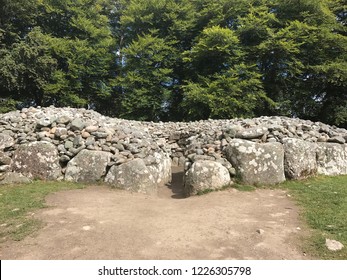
x: 333, y: 245
x: 46, y: 121
x: 252, y: 133
x: 299, y: 158
x: 74, y: 130
x: 337, y: 139
x: 4, y: 168
x: 161, y: 169
x: 206, y: 175
x: 14, y: 178
x: 63, y: 119
x: 259, y: 164
x: 4, y: 159
x: 132, y: 176
x: 60, y: 131
x: 37, y: 160
x: 332, y: 159
x: 6, y: 141
x: 87, y: 166
x: 77, y: 124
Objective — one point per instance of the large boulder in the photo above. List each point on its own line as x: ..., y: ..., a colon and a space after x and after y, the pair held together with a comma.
x: 257, y: 164
x: 6, y: 141
x: 332, y: 159
x: 132, y: 176
x: 87, y: 166
x: 299, y: 158
x: 13, y: 178
x: 37, y: 160
x: 206, y: 175
x: 160, y: 168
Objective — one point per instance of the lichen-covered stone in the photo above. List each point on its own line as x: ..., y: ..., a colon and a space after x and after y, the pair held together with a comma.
x: 252, y: 133
x: 77, y: 124
x: 4, y: 159
x: 132, y: 176
x: 6, y: 141
x: 14, y: 178
x: 160, y: 168
x: 38, y: 160
x: 257, y: 164
x: 206, y: 175
x: 87, y: 166
x: 299, y: 158
x: 332, y: 159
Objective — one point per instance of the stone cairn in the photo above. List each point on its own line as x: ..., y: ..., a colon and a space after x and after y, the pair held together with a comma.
x: 84, y: 146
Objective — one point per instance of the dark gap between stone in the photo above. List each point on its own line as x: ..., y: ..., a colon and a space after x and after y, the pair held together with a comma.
x: 176, y: 184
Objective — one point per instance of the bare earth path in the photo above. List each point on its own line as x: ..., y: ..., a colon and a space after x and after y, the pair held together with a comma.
x: 100, y: 223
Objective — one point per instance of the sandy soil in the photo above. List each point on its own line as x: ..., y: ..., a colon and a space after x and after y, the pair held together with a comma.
x: 101, y: 223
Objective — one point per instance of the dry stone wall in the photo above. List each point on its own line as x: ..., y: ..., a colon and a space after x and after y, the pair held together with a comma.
x: 84, y: 146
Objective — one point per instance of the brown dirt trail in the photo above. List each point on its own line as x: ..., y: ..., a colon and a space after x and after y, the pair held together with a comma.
x: 101, y: 223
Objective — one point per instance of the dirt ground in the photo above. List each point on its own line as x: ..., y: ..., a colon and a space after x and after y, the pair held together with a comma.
x: 101, y: 223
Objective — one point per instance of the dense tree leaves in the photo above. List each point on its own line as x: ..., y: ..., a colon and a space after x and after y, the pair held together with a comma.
x: 27, y: 68
x: 148, y: 78
x: 177, y: 59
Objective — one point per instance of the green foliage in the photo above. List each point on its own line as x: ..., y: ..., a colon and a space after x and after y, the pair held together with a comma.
x: 27, y: 67
x: 177, y: 59
x: 145, y: 87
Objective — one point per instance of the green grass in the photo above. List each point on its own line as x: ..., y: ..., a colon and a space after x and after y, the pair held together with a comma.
x: 243, y: 188
x: 17, y: 202
x: 323, y: 201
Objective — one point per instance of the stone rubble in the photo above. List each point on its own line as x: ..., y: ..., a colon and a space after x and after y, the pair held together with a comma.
x: 85, y: 146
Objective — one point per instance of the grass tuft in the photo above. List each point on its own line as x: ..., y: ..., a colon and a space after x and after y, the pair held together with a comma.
x: 324, y: 206
x: 17, y: 202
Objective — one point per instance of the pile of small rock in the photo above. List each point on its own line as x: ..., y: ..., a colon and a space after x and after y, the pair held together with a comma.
x: 75, y: 145
x: 84, y: 146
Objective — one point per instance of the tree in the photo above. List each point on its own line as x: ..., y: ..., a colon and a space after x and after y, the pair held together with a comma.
x: 222, y: 85
x: 145, y: 87
x: 26, y: 69
x: 80, y: 36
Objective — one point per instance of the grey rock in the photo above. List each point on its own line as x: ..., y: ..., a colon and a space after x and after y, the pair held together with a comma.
x: 63, y: 119
x: 160, y: 168
x: 38, y: 160
x: 4, y: 159
x: 205, y: 175
x: 6, y: 141
x: 232, y: 131
x: 337, y: 139
x: 299, y: 158
x: 333, y: 245
x: 332, y: 159
x: 46, y: 121
x: 90, y: 141
x: 100, y: 134
x: 132, y: 176
x: 77, y: 124
x: 4, y: 168
x: 258, y: 164
x: 91, y: 128
x: 60, y: 131
x: 14, y: 178
x: 64, y: 159
x: 252, y: 133
x: 68, y: 145
x: 87, y: 166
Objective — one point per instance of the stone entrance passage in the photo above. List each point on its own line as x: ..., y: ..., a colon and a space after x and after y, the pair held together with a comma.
x: 174, y: 189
